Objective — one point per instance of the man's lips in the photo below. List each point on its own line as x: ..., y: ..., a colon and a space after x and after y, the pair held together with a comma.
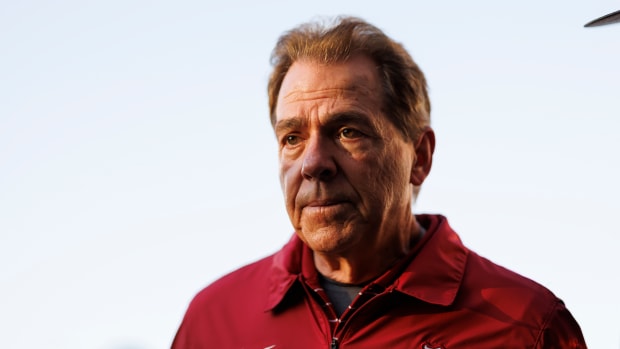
x: 325, y: 207
x: 323, y: 203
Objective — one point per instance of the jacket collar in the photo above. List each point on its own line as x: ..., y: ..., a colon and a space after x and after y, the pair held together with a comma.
x: 285, y: 268
x: 435, y: 272
x: 432, y: 272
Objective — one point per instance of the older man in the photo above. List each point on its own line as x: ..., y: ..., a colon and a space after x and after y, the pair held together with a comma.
x: 351, y: 115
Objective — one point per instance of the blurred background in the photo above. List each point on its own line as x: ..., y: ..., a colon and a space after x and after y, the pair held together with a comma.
x: 137, y: 162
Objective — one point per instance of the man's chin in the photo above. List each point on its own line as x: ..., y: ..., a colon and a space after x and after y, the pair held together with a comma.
x: 328, y: 240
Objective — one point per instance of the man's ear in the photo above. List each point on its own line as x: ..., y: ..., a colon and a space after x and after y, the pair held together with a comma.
x: 424, y: 148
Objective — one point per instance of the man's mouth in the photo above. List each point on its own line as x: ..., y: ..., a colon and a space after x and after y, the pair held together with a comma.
x: 324, y: 203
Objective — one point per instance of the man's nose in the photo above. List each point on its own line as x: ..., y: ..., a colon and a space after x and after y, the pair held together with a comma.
x: 319, y: 159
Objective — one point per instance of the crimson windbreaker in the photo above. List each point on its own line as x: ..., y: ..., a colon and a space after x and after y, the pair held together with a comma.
x: 441, y: 296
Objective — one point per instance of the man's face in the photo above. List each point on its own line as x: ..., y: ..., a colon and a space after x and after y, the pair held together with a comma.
x: 345, y: 169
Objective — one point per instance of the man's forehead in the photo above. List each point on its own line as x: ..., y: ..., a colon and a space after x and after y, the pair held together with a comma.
x: 357, y: 74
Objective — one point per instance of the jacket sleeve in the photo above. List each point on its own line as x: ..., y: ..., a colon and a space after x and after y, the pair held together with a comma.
x: 182, y: 339
x: 560, y: 330
x: 192, y: 330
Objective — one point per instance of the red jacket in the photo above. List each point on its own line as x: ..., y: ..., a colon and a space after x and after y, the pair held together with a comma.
x: 441, y: 296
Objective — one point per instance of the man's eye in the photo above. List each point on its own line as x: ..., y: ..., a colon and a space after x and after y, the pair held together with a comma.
x: 349, y: 133
x: 292, y: 140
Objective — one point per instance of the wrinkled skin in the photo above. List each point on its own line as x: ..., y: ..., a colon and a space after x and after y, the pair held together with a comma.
x: 347, y: 173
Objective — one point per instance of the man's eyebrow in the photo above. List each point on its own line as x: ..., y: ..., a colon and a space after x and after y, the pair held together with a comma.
x: 335, y: 119
x: 288, y: 124
x: 348, y: 117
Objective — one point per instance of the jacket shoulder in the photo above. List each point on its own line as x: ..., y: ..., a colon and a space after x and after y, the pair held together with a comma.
x: 214, y: 315
x: 235, y: 285
x: 485, y: 273
x: 511, y: 298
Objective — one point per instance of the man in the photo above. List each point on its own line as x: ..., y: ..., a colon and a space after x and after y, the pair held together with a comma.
x: 351, y: 116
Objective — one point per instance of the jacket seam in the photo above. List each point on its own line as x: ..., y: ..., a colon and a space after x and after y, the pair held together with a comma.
x: 545, y: 324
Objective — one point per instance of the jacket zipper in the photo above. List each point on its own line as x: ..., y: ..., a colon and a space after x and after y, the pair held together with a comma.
x: 334, y: 344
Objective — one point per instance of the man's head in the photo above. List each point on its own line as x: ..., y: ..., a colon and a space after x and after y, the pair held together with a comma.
x: 405, y: 97
x: 350, y: 152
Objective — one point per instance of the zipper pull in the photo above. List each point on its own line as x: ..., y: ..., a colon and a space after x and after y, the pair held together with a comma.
x: 334, y: 343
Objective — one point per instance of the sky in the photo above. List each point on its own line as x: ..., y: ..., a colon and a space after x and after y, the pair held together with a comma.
x: 138, y: 164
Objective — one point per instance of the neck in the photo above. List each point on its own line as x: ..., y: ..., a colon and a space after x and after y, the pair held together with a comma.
x: 369, y: 262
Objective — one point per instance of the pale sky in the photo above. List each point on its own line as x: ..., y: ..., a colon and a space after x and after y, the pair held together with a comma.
x: 137, y: 162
